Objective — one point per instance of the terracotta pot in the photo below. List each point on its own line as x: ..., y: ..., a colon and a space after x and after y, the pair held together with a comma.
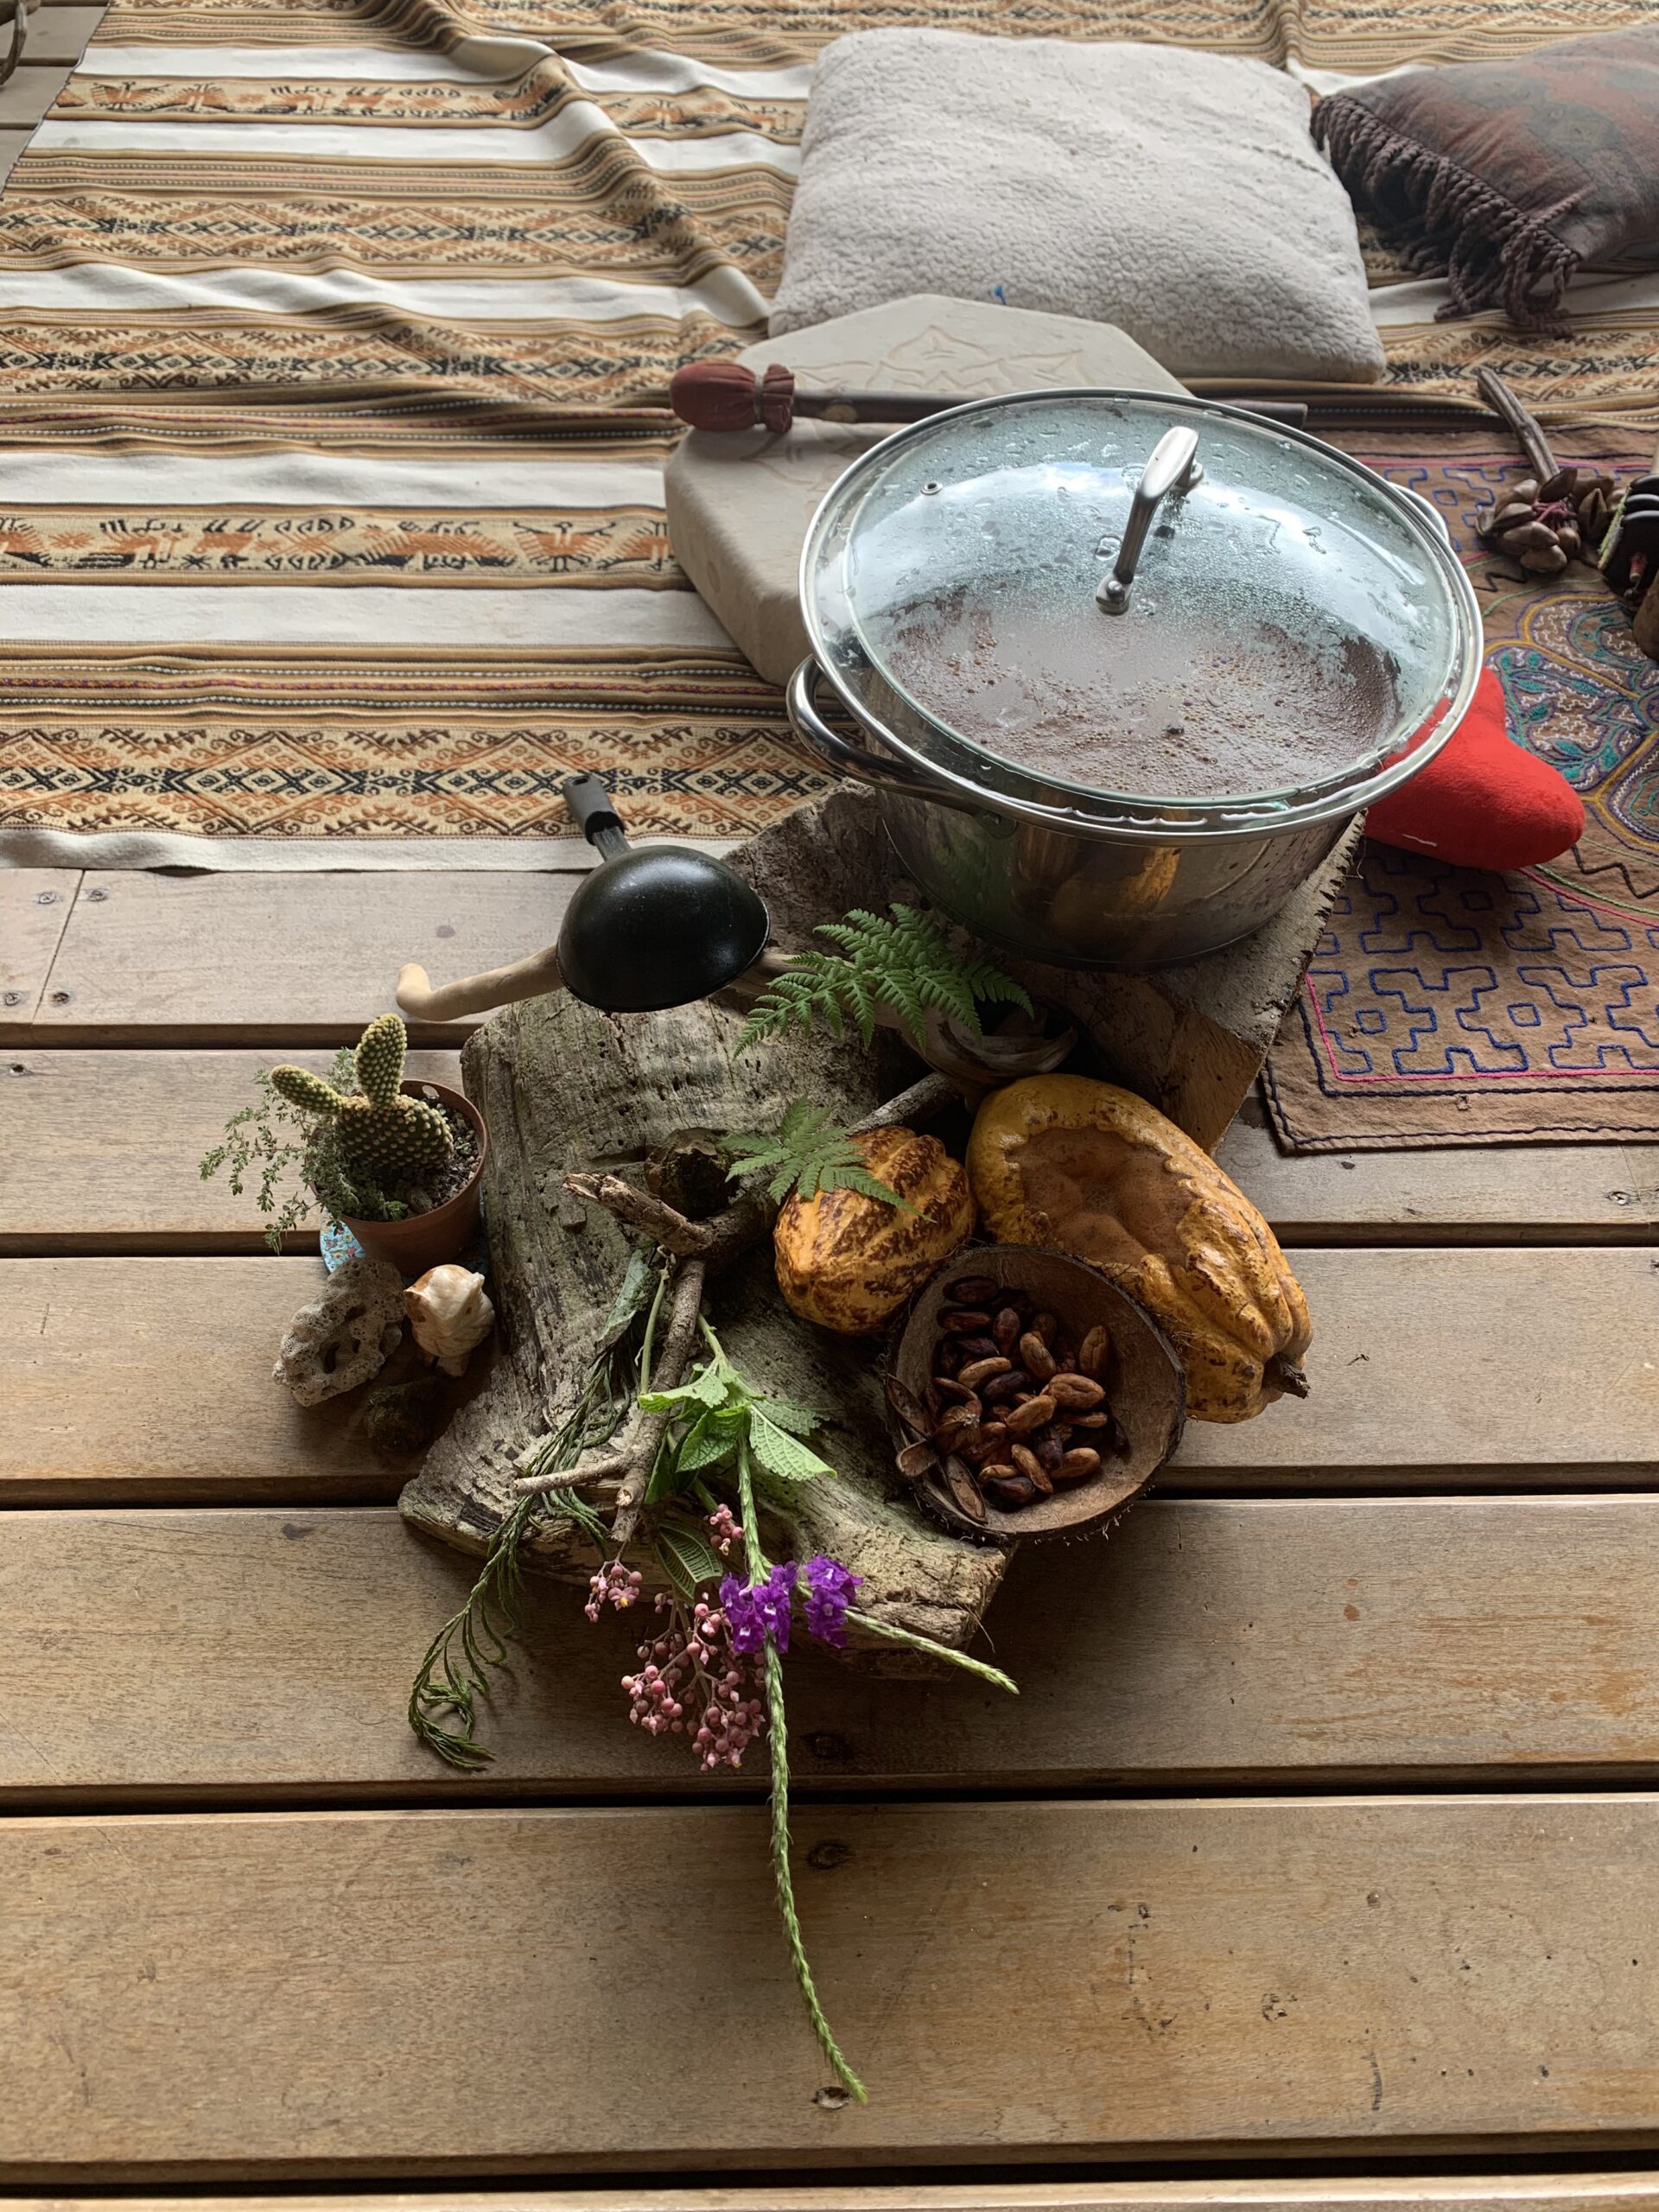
x: 427, y: 1240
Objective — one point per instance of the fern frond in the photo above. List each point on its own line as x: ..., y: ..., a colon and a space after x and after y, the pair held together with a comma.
x: 809, y: 1154
x: 906, y: 964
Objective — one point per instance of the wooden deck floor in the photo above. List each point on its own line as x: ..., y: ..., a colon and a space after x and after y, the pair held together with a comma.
x: 1324, y: 1830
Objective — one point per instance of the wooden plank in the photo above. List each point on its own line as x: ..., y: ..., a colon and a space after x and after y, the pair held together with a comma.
x: 34, y: 906
x: 1210, y: 1642
x: 293, y: 959
x: 555, y: 1991
x: 1494, y: 1368
x: 1504, y: 1194
x: 99, y: 1152
x: 146, y: 1379
x: 1565, y: 2192
x: 151, y: 1379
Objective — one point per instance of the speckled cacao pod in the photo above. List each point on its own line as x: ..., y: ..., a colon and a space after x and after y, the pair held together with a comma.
x: 848, y: 1262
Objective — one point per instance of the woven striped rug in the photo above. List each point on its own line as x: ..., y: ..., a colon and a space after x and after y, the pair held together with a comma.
x: 334, y: 341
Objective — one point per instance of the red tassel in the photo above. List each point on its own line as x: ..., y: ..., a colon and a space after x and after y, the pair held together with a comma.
x: 725, y: 396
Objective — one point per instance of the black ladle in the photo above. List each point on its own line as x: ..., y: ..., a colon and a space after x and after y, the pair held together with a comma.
x: 651, y: 926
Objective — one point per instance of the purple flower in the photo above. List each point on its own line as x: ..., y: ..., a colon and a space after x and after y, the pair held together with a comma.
x: 755, y: 1611
x: 830, y: 1587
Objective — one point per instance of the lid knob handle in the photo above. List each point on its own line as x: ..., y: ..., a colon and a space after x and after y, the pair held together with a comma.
x: 1174, y: 466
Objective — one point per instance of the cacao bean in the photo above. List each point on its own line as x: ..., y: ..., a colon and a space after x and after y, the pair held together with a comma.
x: 1043, y: 1324
x: 1042, y: 1481
x: 972, y: 1290
x: 964, y: 1324
x: 947, y: 1358
x: 983, y: 1371
x: 1064, y: 1349
x: 957, y: 1421
x: 1094, y: 1351
x: 1035, y: 1357
x: 1005, y: 1387
x: 1050, y: 1448
x: 978, y: 1348
x: 987, y: 1441
x: 1005, y: 1329
x: 1075, y: 1390
x: 996, y: 1471
x: 1099, y: 1419
x: 1011, y: 1492
x: 909, y: 1407
x: 917, y: 1461
x: 1117, y: 1438
x: 1026, y: 1462
x: 1077, y: 1465
x: 1035, y: 1413
x: 933, y: 1399
x: 958, y: 1392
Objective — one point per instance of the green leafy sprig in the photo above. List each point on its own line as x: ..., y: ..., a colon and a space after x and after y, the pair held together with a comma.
x: 810, y: 1153
x: 906, y: 963
x: 717, y: 1413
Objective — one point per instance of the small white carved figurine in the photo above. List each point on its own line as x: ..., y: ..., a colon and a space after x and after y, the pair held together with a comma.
x: 449, y: 1313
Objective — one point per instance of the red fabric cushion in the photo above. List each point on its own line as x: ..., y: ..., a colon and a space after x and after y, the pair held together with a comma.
x: 1483, y: 801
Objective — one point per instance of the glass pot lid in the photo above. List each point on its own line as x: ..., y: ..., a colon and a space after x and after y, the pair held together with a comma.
x: 1155, y: 602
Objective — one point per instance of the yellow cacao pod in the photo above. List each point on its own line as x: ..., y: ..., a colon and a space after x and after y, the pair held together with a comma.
x: 1086, y: 1168
x: 849, y: 1262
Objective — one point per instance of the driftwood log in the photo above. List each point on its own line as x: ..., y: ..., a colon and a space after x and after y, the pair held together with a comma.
x: 566, y: 1089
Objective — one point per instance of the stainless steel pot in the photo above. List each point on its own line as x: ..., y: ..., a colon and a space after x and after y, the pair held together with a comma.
x: 1040, y: 609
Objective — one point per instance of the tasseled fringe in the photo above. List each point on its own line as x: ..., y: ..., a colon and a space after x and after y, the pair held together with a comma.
x: 1447, y: 222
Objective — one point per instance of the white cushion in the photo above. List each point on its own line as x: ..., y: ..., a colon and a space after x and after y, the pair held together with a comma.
x: 1177, y: 195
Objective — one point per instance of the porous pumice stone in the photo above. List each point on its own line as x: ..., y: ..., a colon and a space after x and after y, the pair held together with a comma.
x: 343, y: 1335
x: 738, y: 502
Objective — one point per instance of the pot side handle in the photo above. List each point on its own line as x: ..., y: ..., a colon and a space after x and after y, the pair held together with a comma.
x: 841, y: 758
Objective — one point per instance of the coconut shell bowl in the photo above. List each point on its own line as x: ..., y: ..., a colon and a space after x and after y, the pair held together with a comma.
x: 1044, y: 1429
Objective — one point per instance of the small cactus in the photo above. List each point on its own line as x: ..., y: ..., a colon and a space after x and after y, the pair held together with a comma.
x: 384, y: 1140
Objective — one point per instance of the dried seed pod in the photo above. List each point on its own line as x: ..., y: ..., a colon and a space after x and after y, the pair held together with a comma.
x: 1050, y: 1447
x: 1006, y: 1388
x: 917, y: 1461
x: 1035, y: 1357
x: 972, y: 1290
x: 1005, y: 1329
x: 1011, y: 1491
x: 1094, y: 1352
x: 964, y: 1323
x: 1074, y: 1391
x: 933, y: 1399
x: 985, y: 1370
x: 1034, y: 1412
x: 909, y: 1407
x: 1077, y: 1466
x: 963, y: 1491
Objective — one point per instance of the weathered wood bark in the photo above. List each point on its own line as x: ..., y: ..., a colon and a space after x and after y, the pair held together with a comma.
x: 565, y: 1088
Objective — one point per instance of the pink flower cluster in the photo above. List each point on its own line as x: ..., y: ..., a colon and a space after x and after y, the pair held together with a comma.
x: 614, y: 1584
x: 723, y: 1530
x: 692, y: 1683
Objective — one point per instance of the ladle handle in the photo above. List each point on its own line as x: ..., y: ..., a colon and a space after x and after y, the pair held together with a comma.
x: 1172, y: 464
x: 598, y: 820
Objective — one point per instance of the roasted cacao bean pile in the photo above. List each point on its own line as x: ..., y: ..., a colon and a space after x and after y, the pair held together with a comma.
x: 1017, y: 1406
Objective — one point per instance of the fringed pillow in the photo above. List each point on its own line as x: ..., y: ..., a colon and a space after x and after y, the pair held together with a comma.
x: 1508, y: 176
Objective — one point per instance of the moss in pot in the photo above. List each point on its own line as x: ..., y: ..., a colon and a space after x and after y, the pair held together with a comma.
x: 397, y: 1162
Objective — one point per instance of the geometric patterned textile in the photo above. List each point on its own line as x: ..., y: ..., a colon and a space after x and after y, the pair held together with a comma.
x: 1445, y: 1006
x: 335, y: 344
